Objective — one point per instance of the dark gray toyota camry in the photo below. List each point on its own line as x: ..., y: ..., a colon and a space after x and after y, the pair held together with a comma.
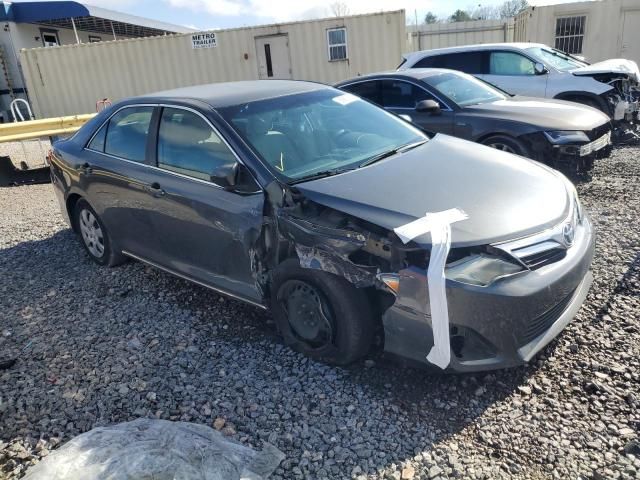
x: 298, y: 197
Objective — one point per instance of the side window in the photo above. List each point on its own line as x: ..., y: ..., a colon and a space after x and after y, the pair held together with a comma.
x: 188, y: 145
x: 429, y: 62
x: 97, y: 142
x: 367, y: 90
x: 399, y: 94
x: 126, y: 135
x: 467, y: 62
x: 510, y: 63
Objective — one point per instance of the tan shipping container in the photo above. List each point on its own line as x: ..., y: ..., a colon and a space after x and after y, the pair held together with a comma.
x: 68, y: 80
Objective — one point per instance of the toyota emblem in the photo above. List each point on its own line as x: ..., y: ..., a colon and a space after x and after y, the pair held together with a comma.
x: 568, y: 233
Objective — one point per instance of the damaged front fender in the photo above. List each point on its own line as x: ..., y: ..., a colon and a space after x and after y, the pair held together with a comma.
x: 325, y: 248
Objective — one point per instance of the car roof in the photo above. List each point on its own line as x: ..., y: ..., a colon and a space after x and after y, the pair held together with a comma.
x: 464, y: 48
x: 415, y: 73
x: 225, y: 94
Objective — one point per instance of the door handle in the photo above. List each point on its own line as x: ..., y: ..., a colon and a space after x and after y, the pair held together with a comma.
x: 86, y: 168
x: 155, y: 190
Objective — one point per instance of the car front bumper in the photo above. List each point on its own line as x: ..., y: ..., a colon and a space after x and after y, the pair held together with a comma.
x: 502, y: 325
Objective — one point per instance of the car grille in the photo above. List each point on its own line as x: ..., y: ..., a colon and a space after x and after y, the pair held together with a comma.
x: 541, y: 259
x: 542, y: 323
x: 598, y: 132
x: 540, y: 254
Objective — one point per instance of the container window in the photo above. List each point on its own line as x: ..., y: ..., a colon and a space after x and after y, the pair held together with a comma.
x: 570, y: 33
x: 337, y: 44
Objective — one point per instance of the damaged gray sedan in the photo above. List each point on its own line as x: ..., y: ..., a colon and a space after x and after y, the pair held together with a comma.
x: 298, y: 197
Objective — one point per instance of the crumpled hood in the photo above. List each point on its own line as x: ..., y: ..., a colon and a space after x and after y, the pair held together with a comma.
x: 505, y: 196
x: 614, y: 65
x: 543, y: 113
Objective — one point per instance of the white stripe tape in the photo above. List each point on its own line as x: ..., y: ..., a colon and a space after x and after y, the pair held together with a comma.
x: 439, y: 225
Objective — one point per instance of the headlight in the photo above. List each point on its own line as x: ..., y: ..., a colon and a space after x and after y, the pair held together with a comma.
x: 480, y: 269
x: 563, y: 137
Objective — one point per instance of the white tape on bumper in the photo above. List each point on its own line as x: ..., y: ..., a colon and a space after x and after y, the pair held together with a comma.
x: 439, y: 225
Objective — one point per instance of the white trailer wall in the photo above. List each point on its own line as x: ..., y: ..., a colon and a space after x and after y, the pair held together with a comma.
x: 612, y: 28
x: 474, y: 32
x: 69, y: 79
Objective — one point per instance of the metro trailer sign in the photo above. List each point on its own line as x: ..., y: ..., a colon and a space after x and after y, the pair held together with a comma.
x: 204, y: 40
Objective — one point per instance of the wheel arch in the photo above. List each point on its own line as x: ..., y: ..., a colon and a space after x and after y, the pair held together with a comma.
x: 571, y: 96
x: 71, y: 202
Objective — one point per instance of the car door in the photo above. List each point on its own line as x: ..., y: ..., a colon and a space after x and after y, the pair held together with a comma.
x: 205, y: 232
x: 515, y: 73
x: 401, y: 97
x: 116, y: 177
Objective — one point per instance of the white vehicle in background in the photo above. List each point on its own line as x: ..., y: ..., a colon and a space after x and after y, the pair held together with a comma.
x: 537, y: 70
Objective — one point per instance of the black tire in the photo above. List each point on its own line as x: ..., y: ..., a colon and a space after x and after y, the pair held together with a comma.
x: 336, y: 302
x: 99, y: 250
x: 507, y: 144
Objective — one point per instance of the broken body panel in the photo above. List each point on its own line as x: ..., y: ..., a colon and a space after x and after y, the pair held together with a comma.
x: 343, y: 224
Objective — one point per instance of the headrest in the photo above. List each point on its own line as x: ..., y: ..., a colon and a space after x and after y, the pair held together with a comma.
x: 257, y: 127
x: 190, y: 130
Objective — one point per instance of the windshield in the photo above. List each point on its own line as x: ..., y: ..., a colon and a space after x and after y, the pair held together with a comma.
x: 325, y: 130
x: 464, y: 89
x: 555, y: 58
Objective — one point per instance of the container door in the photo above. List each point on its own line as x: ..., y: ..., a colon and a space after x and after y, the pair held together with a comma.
x: 631, y: 36
x: 273, y: 57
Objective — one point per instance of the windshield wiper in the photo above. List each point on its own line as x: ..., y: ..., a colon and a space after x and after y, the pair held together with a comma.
x: 320, y: 174
x: 390, y: 153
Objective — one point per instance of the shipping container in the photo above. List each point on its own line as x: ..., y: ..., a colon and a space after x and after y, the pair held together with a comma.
x: 69, y: 79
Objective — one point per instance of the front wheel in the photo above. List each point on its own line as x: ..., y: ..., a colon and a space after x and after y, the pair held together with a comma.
x: 320, y: 314
x: 507, y: 144
x: 94, y: 235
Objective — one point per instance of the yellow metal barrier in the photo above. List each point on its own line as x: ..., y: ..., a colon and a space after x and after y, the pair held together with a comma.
x: 46, y: 127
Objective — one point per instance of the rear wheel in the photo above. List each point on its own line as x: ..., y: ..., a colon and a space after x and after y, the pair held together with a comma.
x: 507, y: 144
x: 94, y: 235
x: 320, y: 314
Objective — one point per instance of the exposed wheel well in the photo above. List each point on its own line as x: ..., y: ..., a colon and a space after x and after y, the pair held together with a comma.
x: 585, y: 99
x: 493, y: 134
x: 71, y: 205
x: 500, y: 134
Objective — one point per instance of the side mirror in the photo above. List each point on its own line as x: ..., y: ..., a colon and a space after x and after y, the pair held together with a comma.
x: 226, y: 174
x: 428, y: 106
x: 540, y: 69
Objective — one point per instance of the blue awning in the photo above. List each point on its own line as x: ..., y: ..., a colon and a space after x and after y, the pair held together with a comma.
x: 86, y: 17
x: 35, y: 12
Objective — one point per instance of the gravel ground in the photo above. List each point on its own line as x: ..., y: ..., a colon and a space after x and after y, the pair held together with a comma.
x: 110, y: 345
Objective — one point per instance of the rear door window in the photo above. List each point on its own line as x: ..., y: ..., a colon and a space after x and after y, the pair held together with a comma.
x: 430, y: 62
x: 367, y: 90
x: 127, y: 131
x: 510, y: 63
x: 401, y: 94
x: 189, y: 146
x: 467, y: 62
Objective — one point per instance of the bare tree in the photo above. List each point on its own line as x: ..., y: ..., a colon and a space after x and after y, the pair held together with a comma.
x: 511, y: 8
x: 339, y: 9
x: 486, y: 12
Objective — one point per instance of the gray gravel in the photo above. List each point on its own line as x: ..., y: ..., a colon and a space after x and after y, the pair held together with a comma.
x: 110, y: 345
